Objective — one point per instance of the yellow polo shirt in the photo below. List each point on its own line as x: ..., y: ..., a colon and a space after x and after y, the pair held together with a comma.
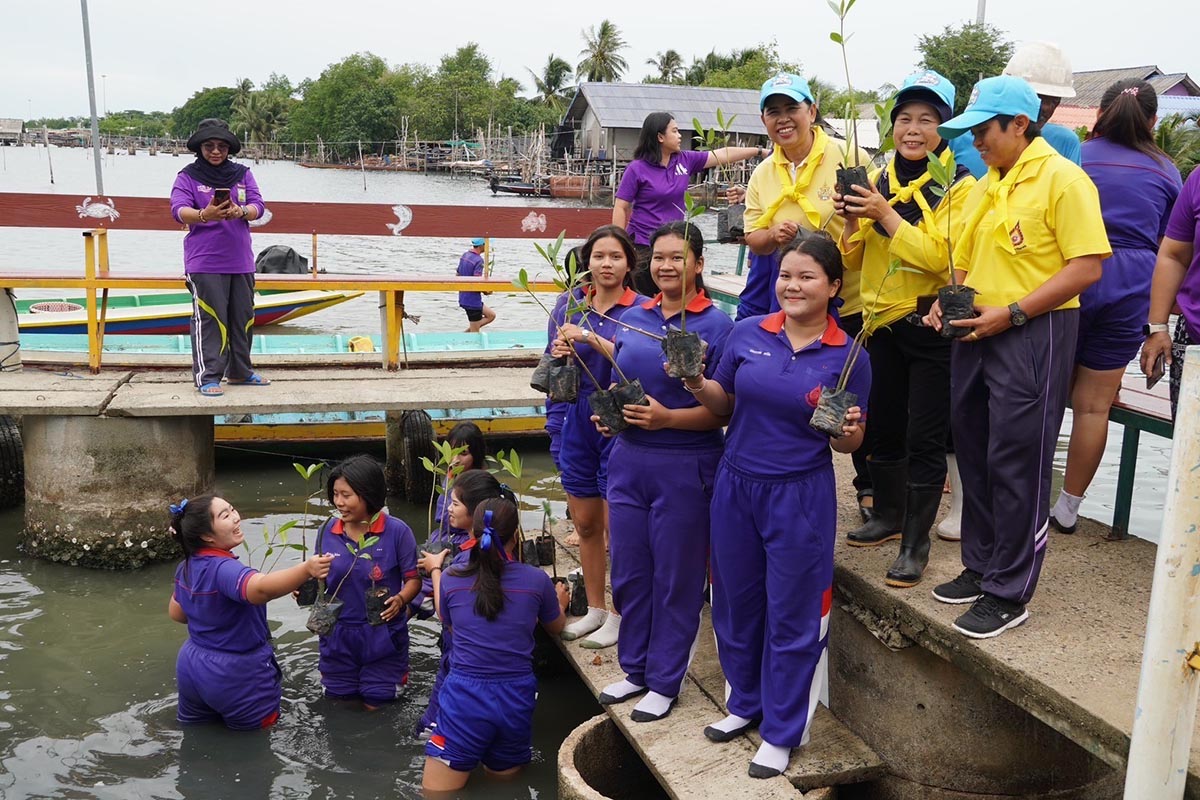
x: 886, y: 298
x: 1053, y: 216
x: 765, y: 186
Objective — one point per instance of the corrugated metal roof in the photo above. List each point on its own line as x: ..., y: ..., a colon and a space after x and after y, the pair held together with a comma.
x: 11, y: 126
x: 1072, y: 117
x: 1091, y: 85
x: 1169, y: 104
x: 625, y: 105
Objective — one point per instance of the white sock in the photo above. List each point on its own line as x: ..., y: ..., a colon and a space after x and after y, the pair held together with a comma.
x: 622, y: 689
x: 732, y: 723
x: 654, y: 703
x: 1066, y: 509
x: 606, y: 635
x: 772, y: 757
x: 589, y: 622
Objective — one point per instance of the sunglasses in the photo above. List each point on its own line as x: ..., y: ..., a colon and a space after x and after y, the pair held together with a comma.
x: 219, y: 146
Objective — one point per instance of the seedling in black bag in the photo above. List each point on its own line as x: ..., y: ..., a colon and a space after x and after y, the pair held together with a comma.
x: 684, y: 351
x: 956, y: 300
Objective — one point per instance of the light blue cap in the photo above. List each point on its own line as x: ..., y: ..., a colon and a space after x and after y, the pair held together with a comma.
x: 929, y: 87
x: 992, y: 97
x: 478, y: 241
x: 786, y: 84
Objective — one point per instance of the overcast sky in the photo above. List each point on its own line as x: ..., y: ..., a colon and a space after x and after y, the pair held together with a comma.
x: 156, y: 55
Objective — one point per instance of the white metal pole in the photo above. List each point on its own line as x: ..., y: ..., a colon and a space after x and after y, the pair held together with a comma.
x: 91, y: 79
x: 980, y: 12
x: 1165, y: 715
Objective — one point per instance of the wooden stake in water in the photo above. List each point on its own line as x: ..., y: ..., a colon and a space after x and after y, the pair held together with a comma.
x: 46, y: 140
x: 361, y: 165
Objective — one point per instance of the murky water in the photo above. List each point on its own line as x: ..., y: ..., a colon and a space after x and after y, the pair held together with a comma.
x: 87, y: 684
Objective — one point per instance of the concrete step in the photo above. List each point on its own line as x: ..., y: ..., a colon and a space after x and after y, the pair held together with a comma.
x: 688, y: 765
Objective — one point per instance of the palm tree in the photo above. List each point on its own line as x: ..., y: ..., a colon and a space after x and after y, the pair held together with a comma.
x: 669, y: 66
x: 1179, y: 138
x: 552, y: 85
x: 601, y: 59
x: 261, y: 116
x: 241, y: 94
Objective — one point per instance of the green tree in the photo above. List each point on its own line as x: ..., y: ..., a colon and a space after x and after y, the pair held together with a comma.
x: 216, y: 102
x: 1179, y: 138
x: 327, y: 100
x: 746, y: 68
x: 553, y: 84
x: 602, y: 60
x: 964, y: 55
x: 279, y: 84
x: 261, y: 117
x: 669, y: 66
x: 136, y: 123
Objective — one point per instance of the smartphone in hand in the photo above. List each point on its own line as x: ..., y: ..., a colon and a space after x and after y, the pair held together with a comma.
x: 1160, y: 367
x: 220, y: 197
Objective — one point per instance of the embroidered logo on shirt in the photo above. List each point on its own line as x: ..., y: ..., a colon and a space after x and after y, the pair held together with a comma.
x: 825, y: 193
x: 814, y: 396
x: 766, y: 353
x: 1018, y: 238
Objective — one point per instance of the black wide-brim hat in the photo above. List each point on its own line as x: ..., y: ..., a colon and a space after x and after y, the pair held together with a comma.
x: 213, y: 128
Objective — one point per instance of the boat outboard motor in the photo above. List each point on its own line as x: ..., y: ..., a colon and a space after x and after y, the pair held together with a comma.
x: 280, y: 259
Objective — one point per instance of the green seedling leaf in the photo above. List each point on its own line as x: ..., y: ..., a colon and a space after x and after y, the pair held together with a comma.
x: 301, y: 469
x: 365, y: 556
x: 287, y: 526
x: 428, y: 465
x: 370, y: 541
x: 297, y: 547
x: 937, y: 190
x: 837, y: 37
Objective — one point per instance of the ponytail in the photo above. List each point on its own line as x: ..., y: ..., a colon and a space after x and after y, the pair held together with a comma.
x: 1126, y: 111
x: 191, y: 520
x: 495, y: 524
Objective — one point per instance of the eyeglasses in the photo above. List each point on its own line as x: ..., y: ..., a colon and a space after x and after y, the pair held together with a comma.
x: 219, y: 146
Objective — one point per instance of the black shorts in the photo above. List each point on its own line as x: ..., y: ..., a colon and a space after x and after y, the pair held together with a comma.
x: 473, y: 314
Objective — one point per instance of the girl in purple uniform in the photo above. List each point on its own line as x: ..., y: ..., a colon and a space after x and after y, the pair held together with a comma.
x: 226, y: 668
x: 1138, y: 185
x: 652, y: 188
x: 492, y: 603
x: 608, y: 255
x: 469, y: 490
x: 358, y: 660
x: 775, y: 519
x: 660, y: 482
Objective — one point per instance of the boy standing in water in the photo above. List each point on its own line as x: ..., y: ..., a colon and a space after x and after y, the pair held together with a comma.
x: 1032, y: 241
x: 471, y: 266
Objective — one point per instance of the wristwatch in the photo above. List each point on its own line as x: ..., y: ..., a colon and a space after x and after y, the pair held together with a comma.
x: 1016, y: 316
x: 585, y: 335
x: 1154, y: 327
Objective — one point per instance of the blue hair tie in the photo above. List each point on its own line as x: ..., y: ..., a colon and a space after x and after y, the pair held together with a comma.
x: 178, y: 508
x: 485, y: 541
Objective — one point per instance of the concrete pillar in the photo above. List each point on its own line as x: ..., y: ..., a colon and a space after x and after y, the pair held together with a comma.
x: 97, y: 488
x: 596, y: 762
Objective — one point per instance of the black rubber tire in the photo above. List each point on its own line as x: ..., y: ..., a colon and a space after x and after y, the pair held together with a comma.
x: 417, y: 440
x: 12, y: 464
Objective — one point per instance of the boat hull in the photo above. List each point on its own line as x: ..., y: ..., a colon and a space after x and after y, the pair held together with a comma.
x: 170, y: 313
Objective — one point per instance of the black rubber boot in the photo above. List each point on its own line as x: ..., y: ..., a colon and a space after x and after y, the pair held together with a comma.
x: 888, y: 479
x: 919, y: 515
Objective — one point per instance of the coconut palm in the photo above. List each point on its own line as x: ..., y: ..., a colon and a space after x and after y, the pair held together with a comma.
x: 1179, y: 138
x: 260, y: 116
x: 669, y: 66
x: 241, y: 93
x: 553, y: 84
x: 601, y: 55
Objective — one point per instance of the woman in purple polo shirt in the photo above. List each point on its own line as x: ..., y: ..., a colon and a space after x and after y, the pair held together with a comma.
x: 652, y: 188
x: 226, y: 669
x: 1138, y: 185
x: 217, y: 199
x: 774, y: 520
x: 1176, y: 281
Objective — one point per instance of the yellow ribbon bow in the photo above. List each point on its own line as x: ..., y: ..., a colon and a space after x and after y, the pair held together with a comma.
x: 794, y: 190
x: 996, y: 198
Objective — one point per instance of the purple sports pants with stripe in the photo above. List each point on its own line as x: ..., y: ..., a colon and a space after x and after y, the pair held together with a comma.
x: 1008, y: 393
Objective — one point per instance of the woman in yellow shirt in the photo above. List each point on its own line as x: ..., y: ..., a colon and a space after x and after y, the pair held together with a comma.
x: 901, y: 218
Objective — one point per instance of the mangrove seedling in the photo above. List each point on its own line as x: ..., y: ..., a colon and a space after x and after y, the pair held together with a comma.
x: 510, y: 462
x: 558, y: 377
x: 443, y: 472
x: 829, y: 416
x: 307, y: 594
x: 607, y: 404
x: 376, y: 597
x: 325, y: 611
x: 545, y: 541
x: 848, y: 176
x: 684, y: 351
x: 956, y: 300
